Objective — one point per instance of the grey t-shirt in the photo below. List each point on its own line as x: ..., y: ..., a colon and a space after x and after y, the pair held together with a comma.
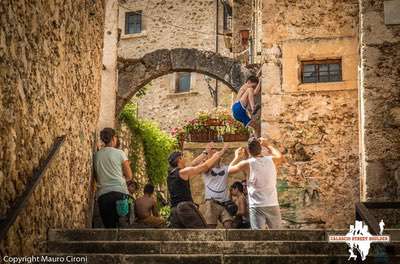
x: 216, y: 184
x: 108, y: 165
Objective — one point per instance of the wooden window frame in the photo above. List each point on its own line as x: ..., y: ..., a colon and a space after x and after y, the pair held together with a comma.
x: 317, y: 63
x: 127, y: 14
x: 177, y: 82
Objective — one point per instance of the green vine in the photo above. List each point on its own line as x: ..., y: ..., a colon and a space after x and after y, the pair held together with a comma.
x: 156, y: 143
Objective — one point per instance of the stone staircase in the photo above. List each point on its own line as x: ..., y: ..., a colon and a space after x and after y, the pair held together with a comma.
x: 209, y: 246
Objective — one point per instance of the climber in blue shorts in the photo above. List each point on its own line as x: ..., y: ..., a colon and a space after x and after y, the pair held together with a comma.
x: 245, y: 98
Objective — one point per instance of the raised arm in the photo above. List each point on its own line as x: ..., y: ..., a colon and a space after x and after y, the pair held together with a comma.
x: 189, y: 172
x: 258, y: 88
x: 199, y: 159
x: 238, y: 164
x: 276, y: 154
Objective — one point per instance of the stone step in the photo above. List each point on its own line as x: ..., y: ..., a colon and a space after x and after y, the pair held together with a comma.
x: 198, y: 235
x: 207, y: 247
x: 184, y: 235
x: 214, y: 259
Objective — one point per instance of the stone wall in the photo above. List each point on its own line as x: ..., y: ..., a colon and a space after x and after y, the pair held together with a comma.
x: 169, y: 109
x: 167, y: 25
x: 380, y: 100
x: 316, y: 125
x: 50, y: 66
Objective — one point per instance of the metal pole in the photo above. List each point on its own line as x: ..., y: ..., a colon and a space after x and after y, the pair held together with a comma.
x: 216, y: 50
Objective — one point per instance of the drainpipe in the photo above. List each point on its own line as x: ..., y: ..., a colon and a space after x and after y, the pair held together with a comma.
x: 216, y: 49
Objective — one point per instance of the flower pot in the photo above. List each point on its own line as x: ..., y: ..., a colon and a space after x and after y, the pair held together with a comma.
x: 235, y: 137
x: 242, y: 137
x: 229, y: 137
x: 213, y: 136
x: 213, y: 122
x: 199, y: 136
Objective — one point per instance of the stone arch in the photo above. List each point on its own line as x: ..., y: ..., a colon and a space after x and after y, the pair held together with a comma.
x: 133, y: 74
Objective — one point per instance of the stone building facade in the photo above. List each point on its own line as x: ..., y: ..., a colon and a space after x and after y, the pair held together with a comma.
x: 50, y: 76
x: 315, y: 122
x: 50, y: 79
x: 380, y: 100
x: 167, y: 25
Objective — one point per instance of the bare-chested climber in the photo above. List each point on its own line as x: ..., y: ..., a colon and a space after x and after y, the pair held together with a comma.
x: 245, y: 101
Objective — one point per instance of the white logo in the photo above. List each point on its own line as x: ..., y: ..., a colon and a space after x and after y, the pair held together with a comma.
x: 360, y: 239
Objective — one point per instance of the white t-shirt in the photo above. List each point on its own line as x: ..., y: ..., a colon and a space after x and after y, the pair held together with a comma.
x: 261, y: 185
x: 216, y: 184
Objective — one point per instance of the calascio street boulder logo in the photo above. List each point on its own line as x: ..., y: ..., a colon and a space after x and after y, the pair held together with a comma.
x: 359, y: 239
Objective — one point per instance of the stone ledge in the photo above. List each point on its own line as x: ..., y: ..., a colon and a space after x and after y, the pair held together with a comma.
x: 184, y: 94
x: 202, y: 145
x: 133, y: 36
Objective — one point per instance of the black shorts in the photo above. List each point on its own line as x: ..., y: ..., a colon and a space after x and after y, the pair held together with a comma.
x: 186, y: 215
x: 108, y: 208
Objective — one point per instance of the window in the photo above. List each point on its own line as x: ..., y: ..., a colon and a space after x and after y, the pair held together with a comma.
x: 227, y: 17
x: 321, y: 71
x: 133, y: 22
x: 182, y: 82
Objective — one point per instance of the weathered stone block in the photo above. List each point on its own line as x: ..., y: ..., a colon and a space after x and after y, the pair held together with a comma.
x: 158, y: 62
x: 393, y: 117
x: 83, y: 235
x: 171, y: 235
x: 133, y: 77
x: 210, y: 62
x: 183, y: 59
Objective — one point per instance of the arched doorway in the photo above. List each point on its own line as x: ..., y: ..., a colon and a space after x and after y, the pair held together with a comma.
x: 134, y: 74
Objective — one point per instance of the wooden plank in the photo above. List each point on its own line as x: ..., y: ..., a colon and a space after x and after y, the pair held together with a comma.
x: 21, y: 201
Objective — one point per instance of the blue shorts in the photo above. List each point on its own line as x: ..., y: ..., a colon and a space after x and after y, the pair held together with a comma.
x: 240, y: 114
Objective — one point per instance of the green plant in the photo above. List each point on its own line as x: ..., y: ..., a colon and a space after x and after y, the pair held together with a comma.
x: 156, y: 143
x: 157, y: 147
x: 165, y: 212
x: 128, y: 116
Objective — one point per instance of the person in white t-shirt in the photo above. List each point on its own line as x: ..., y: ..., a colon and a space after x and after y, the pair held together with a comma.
x: 261, y: 183
x: 216, y: 191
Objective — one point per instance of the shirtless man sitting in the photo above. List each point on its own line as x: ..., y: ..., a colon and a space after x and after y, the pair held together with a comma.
x: 146, y: 209
x: 241, y: 219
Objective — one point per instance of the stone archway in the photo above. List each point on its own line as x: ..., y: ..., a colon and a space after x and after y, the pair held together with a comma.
x: 133, y: 74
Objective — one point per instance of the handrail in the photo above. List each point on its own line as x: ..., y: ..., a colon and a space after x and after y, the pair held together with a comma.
x: 92, y: 186
x: 21, y: 201
x: 362, y: 213
x: 382, y: 205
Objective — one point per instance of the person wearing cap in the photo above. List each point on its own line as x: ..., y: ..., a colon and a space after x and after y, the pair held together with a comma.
x: 264, y: 208
x: 184, y: 213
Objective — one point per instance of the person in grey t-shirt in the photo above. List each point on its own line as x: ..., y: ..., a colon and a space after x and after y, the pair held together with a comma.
x: 112, y: 173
